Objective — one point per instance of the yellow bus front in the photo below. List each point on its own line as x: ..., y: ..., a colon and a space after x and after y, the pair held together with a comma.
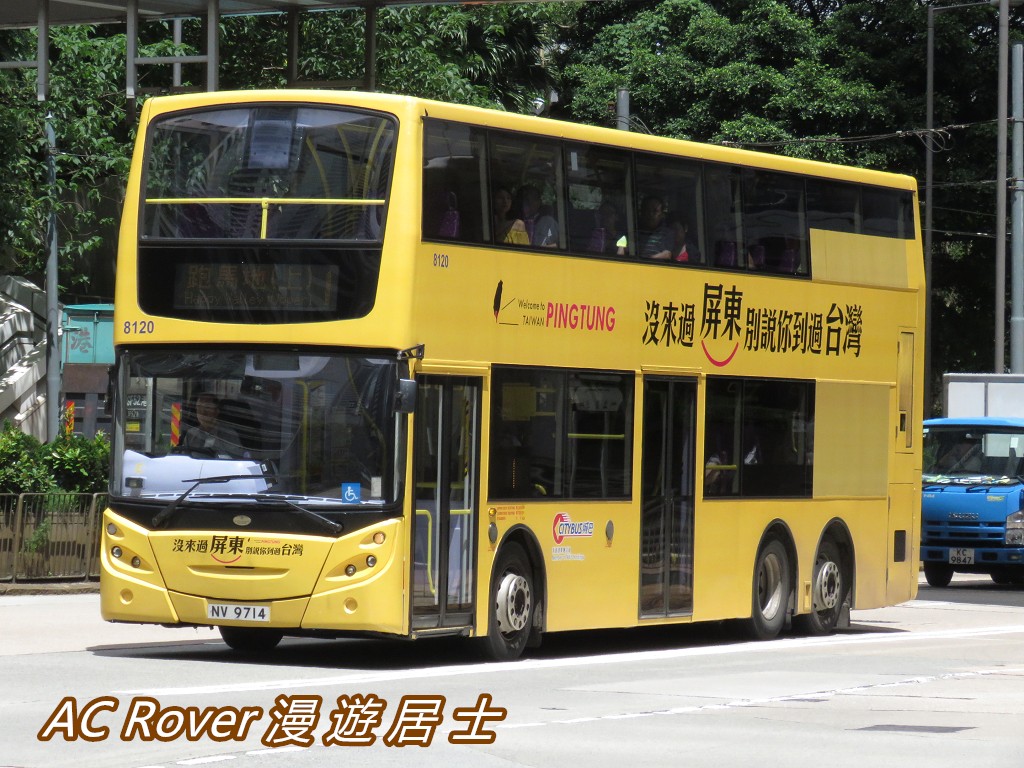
x: 259, y: 430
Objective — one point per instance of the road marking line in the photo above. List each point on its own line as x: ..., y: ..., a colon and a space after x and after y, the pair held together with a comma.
x: 821, y: 696
x: 204, y: 760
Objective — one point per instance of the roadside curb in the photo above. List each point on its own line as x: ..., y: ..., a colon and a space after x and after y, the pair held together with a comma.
x: 50, y: 588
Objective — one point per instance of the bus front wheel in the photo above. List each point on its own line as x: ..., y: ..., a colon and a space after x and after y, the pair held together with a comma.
x: 828, y: 592
x: 250, y: 639
x: 512, y: 604
x: 771, y: 591
x: 938, y: 574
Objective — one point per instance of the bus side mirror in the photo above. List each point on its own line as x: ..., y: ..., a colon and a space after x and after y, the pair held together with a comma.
x: 405, y: 397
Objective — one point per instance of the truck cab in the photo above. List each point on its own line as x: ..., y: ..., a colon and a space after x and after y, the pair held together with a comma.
x: 972, y: 499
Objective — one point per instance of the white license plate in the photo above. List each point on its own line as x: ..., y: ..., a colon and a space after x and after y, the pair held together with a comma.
x: 961, y: 556
x: 236, y: 612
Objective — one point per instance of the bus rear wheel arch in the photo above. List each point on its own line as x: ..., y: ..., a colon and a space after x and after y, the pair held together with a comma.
x: 514, y: 603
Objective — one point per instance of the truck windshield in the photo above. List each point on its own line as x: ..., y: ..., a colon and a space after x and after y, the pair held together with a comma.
x: 317, y: 426
x: 965, y: 451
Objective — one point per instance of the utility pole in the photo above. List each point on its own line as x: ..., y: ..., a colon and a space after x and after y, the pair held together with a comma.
x: 1017, y: 223
x: 1000, y: 288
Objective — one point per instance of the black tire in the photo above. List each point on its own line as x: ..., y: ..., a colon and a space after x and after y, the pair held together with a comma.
x: 938, y: 574
x: 772, y: 587
x: 251, y: 639
x: 829, y: 589
x: 513, y: 600
x: 1002, y: 576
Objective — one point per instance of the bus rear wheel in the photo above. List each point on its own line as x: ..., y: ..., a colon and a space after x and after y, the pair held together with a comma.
x: 250, y: 639
x: 771, y: 591
x: 828, y: 592
x: 512, y: 604
x: 938, y: 574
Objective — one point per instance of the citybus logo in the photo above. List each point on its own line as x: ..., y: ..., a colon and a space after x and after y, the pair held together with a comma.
x: 563, y: 527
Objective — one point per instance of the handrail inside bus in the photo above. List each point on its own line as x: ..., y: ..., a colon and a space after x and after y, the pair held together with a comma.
x: 430, y: 537
x: 265, y: 203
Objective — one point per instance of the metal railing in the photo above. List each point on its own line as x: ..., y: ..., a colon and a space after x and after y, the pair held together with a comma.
x: 50, y: 536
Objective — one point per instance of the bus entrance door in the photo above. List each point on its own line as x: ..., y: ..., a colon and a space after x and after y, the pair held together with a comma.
x: 447, y: 436
x: 666, y: 535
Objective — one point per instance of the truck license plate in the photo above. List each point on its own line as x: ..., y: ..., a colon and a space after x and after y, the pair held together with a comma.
x: 238, y: 612
x: 961, y: 556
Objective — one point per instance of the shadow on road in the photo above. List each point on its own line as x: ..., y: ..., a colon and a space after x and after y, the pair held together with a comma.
x: 384, y: 654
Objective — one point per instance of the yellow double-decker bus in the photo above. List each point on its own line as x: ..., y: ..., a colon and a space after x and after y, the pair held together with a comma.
x: 393, y: 367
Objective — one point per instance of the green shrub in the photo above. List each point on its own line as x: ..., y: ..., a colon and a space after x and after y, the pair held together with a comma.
x: 78, y: 464
x: 23, y: 468
x: 70, y: 463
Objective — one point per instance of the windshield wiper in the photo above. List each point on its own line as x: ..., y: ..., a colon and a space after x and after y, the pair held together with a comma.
x: 164, y: 515
x: 301, y: 511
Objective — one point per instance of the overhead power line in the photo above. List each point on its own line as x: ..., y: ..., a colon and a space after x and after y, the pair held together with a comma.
x: 935, y: 140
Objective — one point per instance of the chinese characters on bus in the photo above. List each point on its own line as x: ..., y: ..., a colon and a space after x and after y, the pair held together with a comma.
x: 722, y: 315
x: 236, y: 545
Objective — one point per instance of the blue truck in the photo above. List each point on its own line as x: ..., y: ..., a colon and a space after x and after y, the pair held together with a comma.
x: 972, y: 499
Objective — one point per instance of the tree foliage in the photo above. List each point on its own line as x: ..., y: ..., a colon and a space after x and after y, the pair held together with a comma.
x: 86, y: 111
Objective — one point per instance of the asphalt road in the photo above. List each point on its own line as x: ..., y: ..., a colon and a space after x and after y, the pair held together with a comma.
x: 938, y: 682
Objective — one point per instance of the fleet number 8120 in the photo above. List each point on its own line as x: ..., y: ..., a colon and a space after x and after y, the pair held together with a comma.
x: 138, y: 326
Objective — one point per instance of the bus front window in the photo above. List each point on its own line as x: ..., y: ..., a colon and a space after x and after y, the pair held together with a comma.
x: 317, y: 426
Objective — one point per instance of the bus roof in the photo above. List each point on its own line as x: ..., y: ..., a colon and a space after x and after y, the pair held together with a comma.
x: 495, y: 118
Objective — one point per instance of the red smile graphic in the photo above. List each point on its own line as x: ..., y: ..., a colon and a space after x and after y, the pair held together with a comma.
x: 226, y: 562
x: 719, y: 363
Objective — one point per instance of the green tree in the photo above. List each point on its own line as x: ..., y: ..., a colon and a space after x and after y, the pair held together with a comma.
x: 754, y: 73
x: 492, y: 55
x: 86, y: 110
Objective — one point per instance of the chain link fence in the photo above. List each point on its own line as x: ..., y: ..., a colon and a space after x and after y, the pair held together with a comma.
x: 50, y: 536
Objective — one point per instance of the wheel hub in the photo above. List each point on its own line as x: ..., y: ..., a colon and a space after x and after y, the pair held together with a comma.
x: 827, y: 587
x: 513, y: 603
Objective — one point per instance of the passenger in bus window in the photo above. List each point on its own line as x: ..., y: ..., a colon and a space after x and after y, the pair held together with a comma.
x: 507, y: 228
x: 210, y: 435
x: 541, y: 226
x: 607, y: 230
x: 685, y: 249
x: 656, y: 238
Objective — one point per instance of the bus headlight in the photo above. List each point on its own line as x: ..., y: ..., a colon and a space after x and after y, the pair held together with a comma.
x: 1015, y: 529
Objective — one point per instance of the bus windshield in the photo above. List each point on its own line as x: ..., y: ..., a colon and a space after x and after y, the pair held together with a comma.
x: 319, y: 426
x: 268, y: 172
x: 970, y: 451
